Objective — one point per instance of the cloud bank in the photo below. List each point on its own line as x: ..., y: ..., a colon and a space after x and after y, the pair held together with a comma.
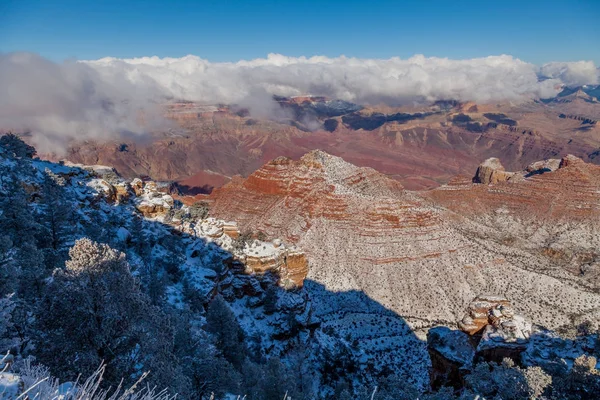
x: 495, y: 78
x: 60, y: 102
x: 109, y: 97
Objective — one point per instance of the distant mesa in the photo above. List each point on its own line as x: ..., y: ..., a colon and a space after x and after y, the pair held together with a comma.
x: 421, y: 145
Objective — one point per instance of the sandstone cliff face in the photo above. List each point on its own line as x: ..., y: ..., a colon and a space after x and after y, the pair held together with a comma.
x: 354, y: 222
x: 426, y: 255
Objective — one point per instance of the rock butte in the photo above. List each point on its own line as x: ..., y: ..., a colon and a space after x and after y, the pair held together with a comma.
x: 436, y: 249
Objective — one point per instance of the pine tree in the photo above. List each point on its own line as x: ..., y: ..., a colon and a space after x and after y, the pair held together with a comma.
x: 139, y: 237
x: 23, y: 261
x: 16, y: 147
x: 17, y: 222
x: 8, y: 266
x: 276, y: 381
x: 93, y: 311
x: 57, y: 218
x: 221, y: 322
x: 8, y: 338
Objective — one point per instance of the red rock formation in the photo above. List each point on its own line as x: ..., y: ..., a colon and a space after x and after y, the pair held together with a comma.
x: 491, y: 171
x: 570, y: 193
x: 308, y: 191
x: 437, y: 249
x: 421, y: 154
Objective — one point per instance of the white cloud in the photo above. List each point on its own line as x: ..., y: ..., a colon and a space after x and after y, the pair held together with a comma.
x: 394, y: 80
x: 100, y: 98
x: 59, y: 102
x: 572, y: 73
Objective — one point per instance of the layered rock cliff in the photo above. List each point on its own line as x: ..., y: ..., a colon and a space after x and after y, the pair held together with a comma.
x: 426, y: 255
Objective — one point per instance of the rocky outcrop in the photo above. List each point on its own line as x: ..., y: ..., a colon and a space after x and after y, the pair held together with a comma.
x: 480, y: 312
x: 153, y: 204
x: 491, y: 171
x: 565, y: 189
x: 256, y: 257
x: 490, y: 331
x: 500, y: 332
x: 570, y: 160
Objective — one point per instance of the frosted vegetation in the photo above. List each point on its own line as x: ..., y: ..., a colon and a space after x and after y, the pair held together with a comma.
x: 97, y: 302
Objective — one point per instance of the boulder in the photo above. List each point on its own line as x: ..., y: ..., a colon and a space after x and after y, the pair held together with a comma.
x: 570, y: 160
x: 491, y: 171
x: 138, y: 186
x: 499, y: 332
x: 490, y: 331
x: 478, y: 313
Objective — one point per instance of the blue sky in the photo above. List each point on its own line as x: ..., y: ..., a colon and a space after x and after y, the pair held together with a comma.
x: 534, y: 31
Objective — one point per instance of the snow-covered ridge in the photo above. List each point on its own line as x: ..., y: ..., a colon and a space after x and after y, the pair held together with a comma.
x: 256, y: 256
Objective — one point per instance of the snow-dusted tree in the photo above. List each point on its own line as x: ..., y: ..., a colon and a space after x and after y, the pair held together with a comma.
x: 538, y: 381
x: 32, y: 270
x: 505, y: 380
x: 208, y: 372
x: 8, y: 338
x: 57, y: 216
x: 581, y: 382
x: 240, y: 242
x: 211, y: 373
x: 23, y: 261
x: 275, y: 381
x: 95, y: 227
x: 139, y: 238
x: 229, y: 337
x: 8, y: 269
x: 16, y: 147
x: 198, y: 210
x: 93, y: 311
x: 18, y: 221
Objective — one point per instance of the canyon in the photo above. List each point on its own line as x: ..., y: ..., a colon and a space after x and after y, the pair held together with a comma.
x: 422, y: 146
x: 531, y: 236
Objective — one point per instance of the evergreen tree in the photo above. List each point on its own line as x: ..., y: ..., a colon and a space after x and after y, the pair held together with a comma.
x: 8, y: 337
x: 57, y: 218
x: 229, y: 337
x: 276, y: 381
x: 17, y: 222
x: 23, y: 262
x: 16, y: 147
x: 8, y: 266
x: 93, y: 311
